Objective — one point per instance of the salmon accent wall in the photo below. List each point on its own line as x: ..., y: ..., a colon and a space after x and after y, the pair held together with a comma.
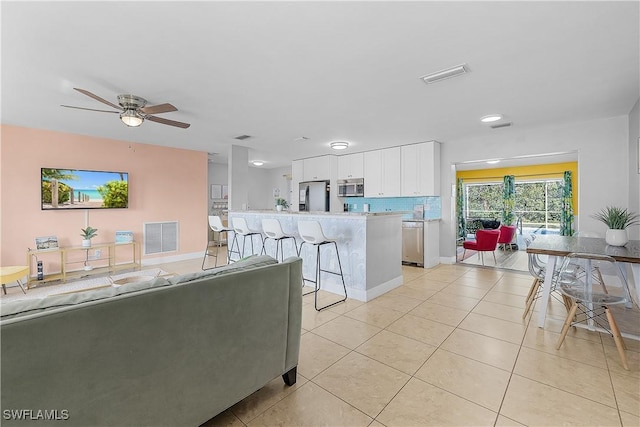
x: 165, y: 184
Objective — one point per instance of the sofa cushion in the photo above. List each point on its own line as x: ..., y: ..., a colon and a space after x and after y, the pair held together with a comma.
x: 31, y: 306
x: 244, y: 264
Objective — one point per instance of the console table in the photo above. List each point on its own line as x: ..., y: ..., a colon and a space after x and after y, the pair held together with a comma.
x: 102, y: 257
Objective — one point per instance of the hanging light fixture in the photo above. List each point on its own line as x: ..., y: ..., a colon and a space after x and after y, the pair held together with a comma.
x: 131, y: 118
x: 339, y: 145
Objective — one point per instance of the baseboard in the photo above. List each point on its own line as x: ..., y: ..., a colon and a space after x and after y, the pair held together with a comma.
x: 448, y: 260
x: 362, y: 294
x: 173, y: 258
x: 383, y: 288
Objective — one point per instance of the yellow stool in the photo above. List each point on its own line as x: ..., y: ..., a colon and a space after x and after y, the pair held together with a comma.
x: 13, y: 273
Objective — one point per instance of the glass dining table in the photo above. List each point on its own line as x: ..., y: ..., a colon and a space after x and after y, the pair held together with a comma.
x: 556, y: 247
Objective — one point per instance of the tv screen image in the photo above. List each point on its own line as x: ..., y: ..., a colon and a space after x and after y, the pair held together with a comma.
x: 83, y: 189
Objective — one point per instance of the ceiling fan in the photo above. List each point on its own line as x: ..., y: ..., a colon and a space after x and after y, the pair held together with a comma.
x: 133, y: 110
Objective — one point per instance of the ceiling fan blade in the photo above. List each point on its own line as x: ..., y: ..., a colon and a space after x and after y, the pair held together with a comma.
x: 168, y: 122
x: 160, y: 108
x: 97, y: 98
x: 90, y: 109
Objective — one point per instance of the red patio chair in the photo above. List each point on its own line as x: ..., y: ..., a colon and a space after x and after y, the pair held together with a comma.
x: 486, y: 241
x: 506, y: 235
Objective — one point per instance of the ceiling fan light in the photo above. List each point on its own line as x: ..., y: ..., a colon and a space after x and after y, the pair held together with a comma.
x: 131, y: 118
x: 339, y: 145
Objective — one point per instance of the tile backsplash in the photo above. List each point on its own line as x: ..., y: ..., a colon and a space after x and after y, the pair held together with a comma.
x: 432, y: 205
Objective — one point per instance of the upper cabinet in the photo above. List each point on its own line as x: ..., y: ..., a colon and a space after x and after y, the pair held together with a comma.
x: 420, y: 165
x: 317, y: 168
x: 382, y: 173
x: 351, y: 166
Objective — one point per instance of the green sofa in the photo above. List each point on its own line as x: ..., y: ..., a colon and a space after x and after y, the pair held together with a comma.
x: 165, y: 352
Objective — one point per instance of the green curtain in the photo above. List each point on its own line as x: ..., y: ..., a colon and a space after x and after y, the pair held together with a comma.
x: 566, y: 220
x: 509, y: 200
x: 460, y: 209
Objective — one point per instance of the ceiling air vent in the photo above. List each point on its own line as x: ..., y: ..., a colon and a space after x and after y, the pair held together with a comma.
x: 445, y: 74
x: 242, y: 137
x: 501, y: 125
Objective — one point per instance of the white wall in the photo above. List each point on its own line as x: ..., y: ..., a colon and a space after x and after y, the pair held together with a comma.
x: 218, y: 173
x: 239, y: 181
x: 603, y: 166
x: 263, y: 181
x: 634, y: 175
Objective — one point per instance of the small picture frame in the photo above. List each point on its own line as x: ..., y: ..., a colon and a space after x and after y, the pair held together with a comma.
x: 124, y: 236
x: 216, y: 191
x: 46, y: 243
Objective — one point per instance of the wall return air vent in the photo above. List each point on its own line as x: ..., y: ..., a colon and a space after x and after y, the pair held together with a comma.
x: 445, y: 74
x: 160, y: 237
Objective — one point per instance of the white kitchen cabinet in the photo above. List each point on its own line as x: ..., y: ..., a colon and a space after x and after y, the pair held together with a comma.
x: 317, y: 168
x: 382, y: 173
x: 420, y: 169
x: 351, y: 166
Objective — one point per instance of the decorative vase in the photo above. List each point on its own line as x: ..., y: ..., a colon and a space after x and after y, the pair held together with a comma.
x: 616, y: 237
x: 86, y: 243
x: 279, y: 208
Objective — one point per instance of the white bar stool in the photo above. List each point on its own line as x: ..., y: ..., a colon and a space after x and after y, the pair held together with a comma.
x: 311, y: 233
x: 215, y: 223
x: 272, y: 229
x: 240, y: 228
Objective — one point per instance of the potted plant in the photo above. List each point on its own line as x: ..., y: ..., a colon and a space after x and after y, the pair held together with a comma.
x: 88, y: 234
x: 281, y: 204
x: 617, y: 219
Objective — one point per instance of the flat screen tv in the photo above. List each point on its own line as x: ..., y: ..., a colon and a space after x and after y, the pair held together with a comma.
x: 83, y: 189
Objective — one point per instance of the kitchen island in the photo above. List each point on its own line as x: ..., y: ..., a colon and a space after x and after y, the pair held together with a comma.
x: 370, y: 247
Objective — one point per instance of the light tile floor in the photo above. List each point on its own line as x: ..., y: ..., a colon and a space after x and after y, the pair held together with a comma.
x: 447, y: 348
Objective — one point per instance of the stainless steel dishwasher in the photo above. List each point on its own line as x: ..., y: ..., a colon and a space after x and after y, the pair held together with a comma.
x: 413, y: 242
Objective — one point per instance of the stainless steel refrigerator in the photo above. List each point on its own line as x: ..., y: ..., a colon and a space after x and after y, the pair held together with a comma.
x: 314, y: 196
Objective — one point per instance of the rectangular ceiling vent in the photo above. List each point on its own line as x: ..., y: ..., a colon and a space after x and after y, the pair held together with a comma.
x: 501, y: 125
x: 242, y: 137
x: 160, y: 237
x: 445, y: 74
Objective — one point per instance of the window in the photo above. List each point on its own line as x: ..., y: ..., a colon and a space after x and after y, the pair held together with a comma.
x: 483, y: 200
x: 538, y: 202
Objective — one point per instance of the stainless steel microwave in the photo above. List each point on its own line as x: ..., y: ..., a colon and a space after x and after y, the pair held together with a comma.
x: 351, y: 187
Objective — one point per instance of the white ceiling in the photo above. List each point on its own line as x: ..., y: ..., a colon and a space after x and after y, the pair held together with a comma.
x: 324, y: 70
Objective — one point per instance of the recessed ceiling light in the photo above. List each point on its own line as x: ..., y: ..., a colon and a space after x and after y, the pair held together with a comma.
x: 445, y: 74
x: 491, y: 118
x: 257, y: 163
x: 339, y: 145
x: 493, y: 162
